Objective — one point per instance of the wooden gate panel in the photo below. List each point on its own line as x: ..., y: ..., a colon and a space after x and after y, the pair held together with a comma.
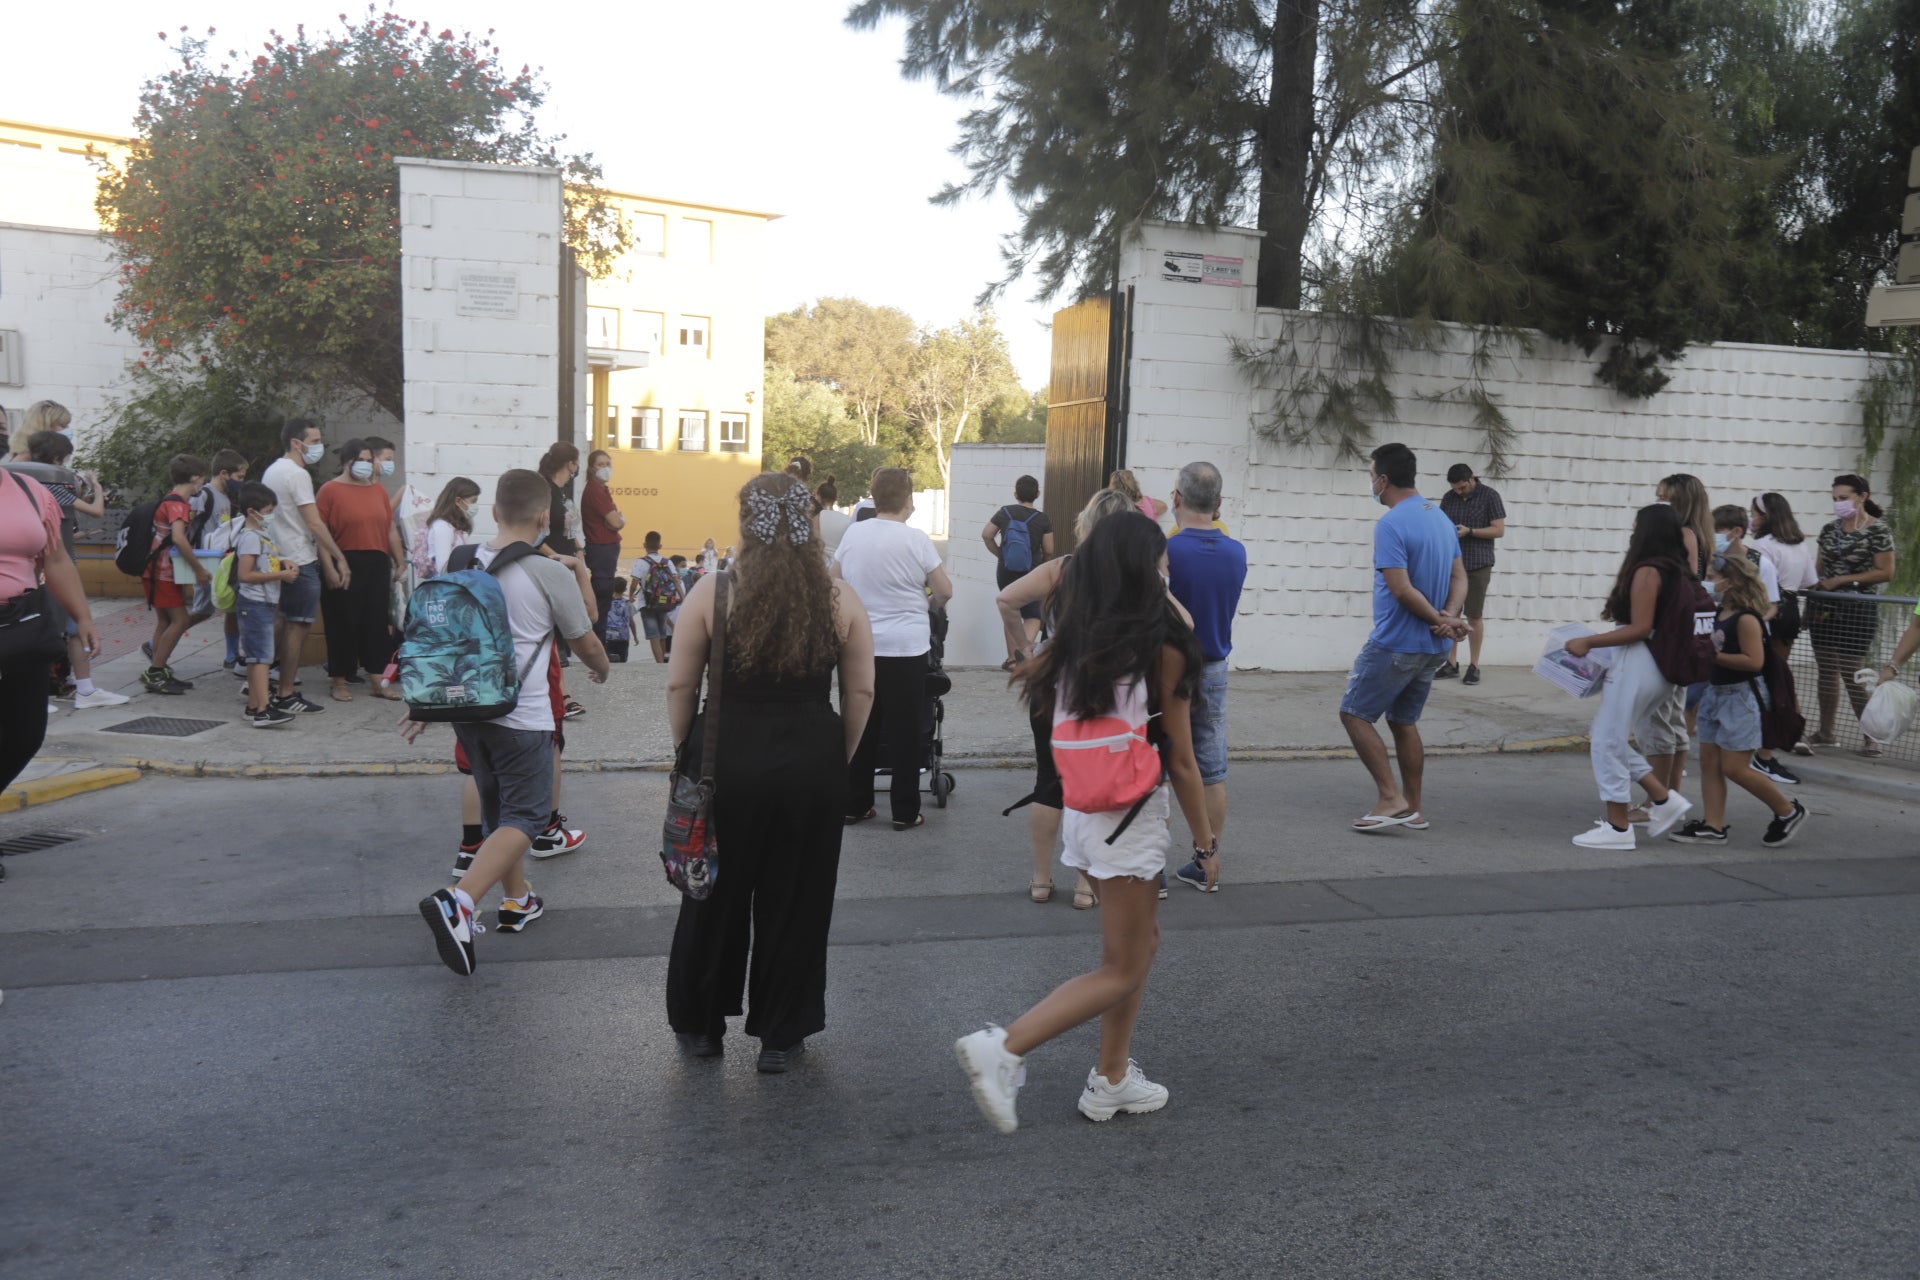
x: 1085, y: 407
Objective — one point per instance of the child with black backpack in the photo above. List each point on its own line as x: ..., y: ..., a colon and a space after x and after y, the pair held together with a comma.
x: 509, y: 745
x: 1734, y: 709
x: 171, y: 519
x: 1656, y: 604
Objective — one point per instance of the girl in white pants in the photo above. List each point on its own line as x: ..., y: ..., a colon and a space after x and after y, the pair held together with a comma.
x: 1654, y: 562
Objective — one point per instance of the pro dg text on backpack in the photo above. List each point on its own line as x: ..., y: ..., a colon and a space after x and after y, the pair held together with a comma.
x: 1107, y: 762
x: 1016, y: 542
x: 457, y: 660
x: 1682, y: 639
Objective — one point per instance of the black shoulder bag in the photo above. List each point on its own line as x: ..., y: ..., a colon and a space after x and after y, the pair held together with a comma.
x: 688, y: 850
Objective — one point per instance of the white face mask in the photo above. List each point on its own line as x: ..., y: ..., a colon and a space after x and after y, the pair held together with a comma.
x: 1378, y: 495
x: 316, y: 451
x: 386, y: 467
x: 362, y: 470
x: 603, y: 474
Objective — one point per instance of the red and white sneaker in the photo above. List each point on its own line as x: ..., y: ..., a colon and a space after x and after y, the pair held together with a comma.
x: 557, y: 839
x: 463, y: 859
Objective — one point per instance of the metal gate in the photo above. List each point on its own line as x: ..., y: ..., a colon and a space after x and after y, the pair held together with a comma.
x: 1086, y: 405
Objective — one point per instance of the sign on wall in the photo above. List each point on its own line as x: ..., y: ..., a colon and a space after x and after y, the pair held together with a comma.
x: 1202, y: 268
x: 489, y: 293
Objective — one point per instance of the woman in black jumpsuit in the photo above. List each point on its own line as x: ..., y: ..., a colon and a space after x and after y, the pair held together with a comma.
x: 780, y: 779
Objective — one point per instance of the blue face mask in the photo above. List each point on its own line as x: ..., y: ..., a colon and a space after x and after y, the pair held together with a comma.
x: 386, y: 466
x: 1720, y: 544
x: 315, y: 452
x: 362, y: 470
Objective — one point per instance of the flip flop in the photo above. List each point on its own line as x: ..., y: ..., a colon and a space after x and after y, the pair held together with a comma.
x: 1380, y: 822
x: 1418, y: 822
x: 339, y: 693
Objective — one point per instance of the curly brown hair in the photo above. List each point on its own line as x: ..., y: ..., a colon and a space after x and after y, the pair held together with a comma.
x: 781, y: 621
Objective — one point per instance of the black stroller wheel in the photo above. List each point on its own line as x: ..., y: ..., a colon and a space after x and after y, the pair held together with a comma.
x: 941, y: 784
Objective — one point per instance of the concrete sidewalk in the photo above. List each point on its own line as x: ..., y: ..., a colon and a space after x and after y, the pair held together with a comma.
x: 1272, y: 715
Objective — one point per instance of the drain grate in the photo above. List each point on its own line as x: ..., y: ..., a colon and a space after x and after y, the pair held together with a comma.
x: 165, y: 726
x: 34, y: 841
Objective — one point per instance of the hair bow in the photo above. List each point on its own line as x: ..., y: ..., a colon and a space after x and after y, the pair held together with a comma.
x: 769, y: 514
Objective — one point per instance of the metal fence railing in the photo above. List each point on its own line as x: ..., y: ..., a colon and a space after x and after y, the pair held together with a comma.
x: 1841, y: 632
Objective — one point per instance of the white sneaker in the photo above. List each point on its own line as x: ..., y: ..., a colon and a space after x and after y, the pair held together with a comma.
x: 1135, y: 1094
x: 1662, y: 818
x: 99, y: 698
x: 1603, y: 836
x: 996, y: 1074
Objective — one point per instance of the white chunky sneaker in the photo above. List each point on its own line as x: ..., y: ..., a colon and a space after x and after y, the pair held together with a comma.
x: 1662, y: 818
x: 1135, y: 1094
x: 996, y: 1074
x: 1603, y: 836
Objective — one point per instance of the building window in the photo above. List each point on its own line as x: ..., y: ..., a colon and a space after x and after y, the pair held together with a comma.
x: 649, y: 234
x: 613, y: 426
x: 603, y: 326
x: 643, y: 430
x: 693, y: 335
x: 645, y: 329
x: 733, y: 433
x: 696, y: 240
x: 693, y: 431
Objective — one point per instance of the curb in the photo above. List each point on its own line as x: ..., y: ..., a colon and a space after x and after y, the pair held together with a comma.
x: 27, y: 795
x: 1873, y: 780
x: 431, y: 768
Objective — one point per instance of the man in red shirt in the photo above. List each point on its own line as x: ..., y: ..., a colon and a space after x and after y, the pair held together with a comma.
x: 167, y: 598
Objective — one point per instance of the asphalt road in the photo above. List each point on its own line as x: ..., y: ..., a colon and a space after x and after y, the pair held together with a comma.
x: 226, y: 1049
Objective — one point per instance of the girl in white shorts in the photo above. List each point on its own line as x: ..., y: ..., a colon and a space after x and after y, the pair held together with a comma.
x: 1115, y: 627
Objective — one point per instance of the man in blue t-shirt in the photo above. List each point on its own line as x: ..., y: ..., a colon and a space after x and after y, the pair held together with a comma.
x: 1206, y: 570
x: 1419, y: 586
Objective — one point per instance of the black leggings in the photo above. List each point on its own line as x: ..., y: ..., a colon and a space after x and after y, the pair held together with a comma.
x: 356, y: 618
x: 23, y: 716
x: 899, y: 696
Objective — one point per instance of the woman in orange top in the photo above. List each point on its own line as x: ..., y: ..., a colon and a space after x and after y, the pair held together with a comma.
x: 359, y: 515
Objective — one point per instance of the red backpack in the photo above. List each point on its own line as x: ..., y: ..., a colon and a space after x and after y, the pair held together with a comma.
x: 1107, y: 762
x: 1682, y: 640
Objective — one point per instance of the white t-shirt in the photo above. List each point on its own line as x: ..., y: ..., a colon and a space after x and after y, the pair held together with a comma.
x: 542, y: 597
x: 1794, y: 566
x: 833, y: 527
x: 887, y: 563
x: 442, y: 538
x: 292, y: 489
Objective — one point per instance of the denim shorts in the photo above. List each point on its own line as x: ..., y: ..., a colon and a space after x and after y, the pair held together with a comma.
x: 513, y: 768
x: 653, y: 624
x: 1729, y: 718
x: 1392, y: 684
x: 300, y: 600
x: 1210, y: 723
x: 256, y: 630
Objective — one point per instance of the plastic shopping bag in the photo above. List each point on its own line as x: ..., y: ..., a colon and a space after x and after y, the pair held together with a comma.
x: 1890, y: 711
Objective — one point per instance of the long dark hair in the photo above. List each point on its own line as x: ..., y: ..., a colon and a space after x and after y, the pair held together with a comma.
x: 447, y: 505
x: 1112, y: 616
x: 1656, y: 537
x: 1776, y: 519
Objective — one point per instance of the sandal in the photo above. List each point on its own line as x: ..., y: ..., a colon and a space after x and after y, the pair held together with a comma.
x: 1040, y: 891
x: 386, y: 691
x: 340, y: 694
x: 1823, y: 740
x: 1085, y: 895
x: 1382, y: 821
x: 853, y: 818
x: 919, y: 820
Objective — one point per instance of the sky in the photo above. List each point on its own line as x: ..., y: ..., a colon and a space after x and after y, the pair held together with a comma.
x: 773, y: 105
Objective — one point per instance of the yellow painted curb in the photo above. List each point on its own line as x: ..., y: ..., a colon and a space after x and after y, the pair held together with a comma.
x: 45, y: 791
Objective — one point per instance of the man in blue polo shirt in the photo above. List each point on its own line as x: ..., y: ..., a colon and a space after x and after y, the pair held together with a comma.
x: 1206, y: 570
x: 1419, y: 586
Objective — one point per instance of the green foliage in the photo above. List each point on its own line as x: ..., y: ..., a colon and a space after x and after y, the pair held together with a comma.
x: 1890, y: 416
x: 811, y: 418
x: 959, y: 373
x: 182, y: 409
x: 1015, y: 422
x: 857, y: 349
x: 256, y: 219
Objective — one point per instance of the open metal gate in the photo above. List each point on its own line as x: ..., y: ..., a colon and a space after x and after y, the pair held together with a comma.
x: 1086, y: 405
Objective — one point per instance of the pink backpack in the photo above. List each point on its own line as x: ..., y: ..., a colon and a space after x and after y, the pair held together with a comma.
x: 1107, y: 763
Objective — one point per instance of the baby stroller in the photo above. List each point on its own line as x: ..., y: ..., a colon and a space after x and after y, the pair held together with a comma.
x: 933, y: 714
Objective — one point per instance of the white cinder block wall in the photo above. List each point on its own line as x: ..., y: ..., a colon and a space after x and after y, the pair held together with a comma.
x: 1745, y: 419
x: 983, y: 476
x: 482, y: 391
x: 58, y: 293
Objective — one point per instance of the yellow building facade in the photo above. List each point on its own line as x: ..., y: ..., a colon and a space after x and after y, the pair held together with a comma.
x: 676, y: 348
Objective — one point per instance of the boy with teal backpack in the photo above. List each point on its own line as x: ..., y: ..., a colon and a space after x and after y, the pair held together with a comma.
x: 475, y: 634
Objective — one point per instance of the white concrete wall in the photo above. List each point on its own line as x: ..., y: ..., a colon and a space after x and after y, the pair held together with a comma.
x: 983, y: 476
x: 1743, y: 418
x: 482, y: 392
x: 57, y: 290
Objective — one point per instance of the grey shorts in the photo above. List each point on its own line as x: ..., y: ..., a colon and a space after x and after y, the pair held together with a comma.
x: 653, y: 624
x: 1729, y: 717
x: 1667, y: 726
x: 1210, y: 724
x: 514, y: 770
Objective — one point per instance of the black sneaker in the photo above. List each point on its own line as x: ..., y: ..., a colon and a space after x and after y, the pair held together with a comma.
x: 453, y: 928
x: 1698, y: 832
x: 463, y: 860
x: 1161, y: 883
x: 1776, y: 770
x: 1447, y: 671
x: 1195, y: 876
x: 268, y: 717
x: 1781, y: 830
x: 1472, y: 676
x: 515, y: 916
x: 298, y: 705
x: 160, y: 680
